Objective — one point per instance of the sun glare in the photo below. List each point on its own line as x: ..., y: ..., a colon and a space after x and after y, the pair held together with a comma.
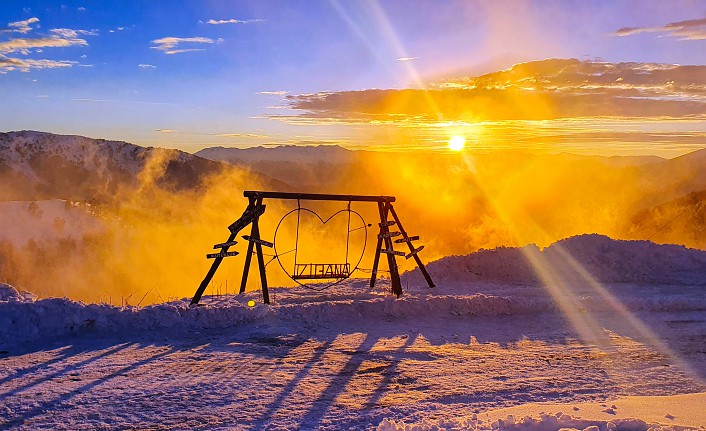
x: 457, y: 142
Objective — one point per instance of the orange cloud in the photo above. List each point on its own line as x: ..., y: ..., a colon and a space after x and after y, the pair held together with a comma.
x: 693, y: 29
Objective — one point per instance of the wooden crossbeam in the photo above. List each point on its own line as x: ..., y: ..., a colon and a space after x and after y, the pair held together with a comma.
x: 316, y: 196
x: 225, y: 244
x: 258, y: 241
x: 221, y: 254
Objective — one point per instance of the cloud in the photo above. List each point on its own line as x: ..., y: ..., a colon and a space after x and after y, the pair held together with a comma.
x: 541, y: 90
x: 243, y: 135
x: 168, y: 44
x: 233, y: 21
x: 81, y: 9
x: 146, y: 66
x: 25, y: 45
x: 164, y: 130
x: 407, y: 58
x: 693, y: 29
x: 23, y: 27
x: 60, y: 38
x: 68, y: 33
x: 131, y: 102
x: 24, y: 65
x: 273, y: 93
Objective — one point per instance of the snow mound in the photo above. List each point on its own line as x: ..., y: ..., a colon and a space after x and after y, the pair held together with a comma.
x: 544, y: 423
x: 23, y: 317
x: 33, y: 319
x: 9, y: 293
x: 605, y: 259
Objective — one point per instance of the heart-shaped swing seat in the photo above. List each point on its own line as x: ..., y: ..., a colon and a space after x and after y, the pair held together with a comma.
x: 336, y: 271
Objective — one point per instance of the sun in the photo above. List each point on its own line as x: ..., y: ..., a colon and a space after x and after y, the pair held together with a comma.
x: 457, y: 142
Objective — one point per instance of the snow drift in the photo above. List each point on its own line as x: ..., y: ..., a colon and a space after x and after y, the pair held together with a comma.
x: 605, y: 259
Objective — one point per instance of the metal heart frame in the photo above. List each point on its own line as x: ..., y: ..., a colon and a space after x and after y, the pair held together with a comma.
x: 323, y: 222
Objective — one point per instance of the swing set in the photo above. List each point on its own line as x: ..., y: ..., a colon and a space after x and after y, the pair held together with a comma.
x: 301, y: 272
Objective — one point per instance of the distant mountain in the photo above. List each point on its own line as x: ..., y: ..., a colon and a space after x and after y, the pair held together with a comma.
x: 282, y: 153
x: 683, y: 217
x: 308, y: 168
x: 681, y: 175
x: 604, y: 259
x: 39, y: 165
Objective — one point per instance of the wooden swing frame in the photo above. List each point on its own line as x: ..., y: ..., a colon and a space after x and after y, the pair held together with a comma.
x: 256, y: 208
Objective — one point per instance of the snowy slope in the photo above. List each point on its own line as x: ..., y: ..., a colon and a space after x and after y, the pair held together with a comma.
x: 38, y: 165
x: 352, y: 359
x: 607, y: 260
x: 466, y: 355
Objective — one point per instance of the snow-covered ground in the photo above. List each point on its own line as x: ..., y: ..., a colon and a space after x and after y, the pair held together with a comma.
x: 465, y: 355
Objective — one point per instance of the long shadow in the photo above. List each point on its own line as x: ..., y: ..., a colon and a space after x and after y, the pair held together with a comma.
x: 338, y: 384
x: 66, y: 352
x: 56, y: 402
x: 389, y: 374
x: 63, y: 371
x: 286, y: 391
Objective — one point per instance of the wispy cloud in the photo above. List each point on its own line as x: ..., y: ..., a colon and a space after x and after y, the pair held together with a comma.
x: 23, y: 27
x: 243, y: 135
x: 693, y: 29
x: 8, y: 64
x: 273, y: 93
x: 133, y: 102
x: 407, y: 58
x: 233, y: 21
x: 168, y: 45
x: 25, y: 45
x: 164, y: 130
x: 57, y: 38
x: 68, y: 33
x: 146, y: 66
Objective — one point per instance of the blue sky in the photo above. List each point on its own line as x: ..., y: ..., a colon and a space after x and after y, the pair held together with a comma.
x: 191, y: 74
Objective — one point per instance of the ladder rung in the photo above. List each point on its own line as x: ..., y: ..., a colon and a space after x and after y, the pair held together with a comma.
x: 389, y: 234
x: 396, y: 253
x: 225, y: 244
x: 408, y: 239
x: 248, y: 216
x: 258, y: 241
x: 414, y: 252
x: 221, y: 254
x: 387, y: 223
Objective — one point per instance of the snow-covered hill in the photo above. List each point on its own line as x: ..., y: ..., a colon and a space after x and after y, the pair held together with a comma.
x: 605, y: 259
x: 39, y: 165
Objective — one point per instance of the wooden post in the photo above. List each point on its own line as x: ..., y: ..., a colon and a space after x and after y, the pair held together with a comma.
x: 376, y: 261
x: 248, y: 257
x: 214, y: 266
x: 260, y: 257
x: 391, y: 260
x: 420, y: 265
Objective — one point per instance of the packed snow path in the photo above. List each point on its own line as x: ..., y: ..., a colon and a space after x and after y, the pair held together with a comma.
x: 297, y: 366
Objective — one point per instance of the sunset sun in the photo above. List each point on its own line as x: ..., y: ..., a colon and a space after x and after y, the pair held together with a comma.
x: 457, y: 143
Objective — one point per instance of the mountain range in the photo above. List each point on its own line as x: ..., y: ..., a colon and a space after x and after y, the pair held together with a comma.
x: 454, y: 196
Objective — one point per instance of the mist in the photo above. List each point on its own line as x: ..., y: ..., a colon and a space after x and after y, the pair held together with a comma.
x: 148, y: 242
